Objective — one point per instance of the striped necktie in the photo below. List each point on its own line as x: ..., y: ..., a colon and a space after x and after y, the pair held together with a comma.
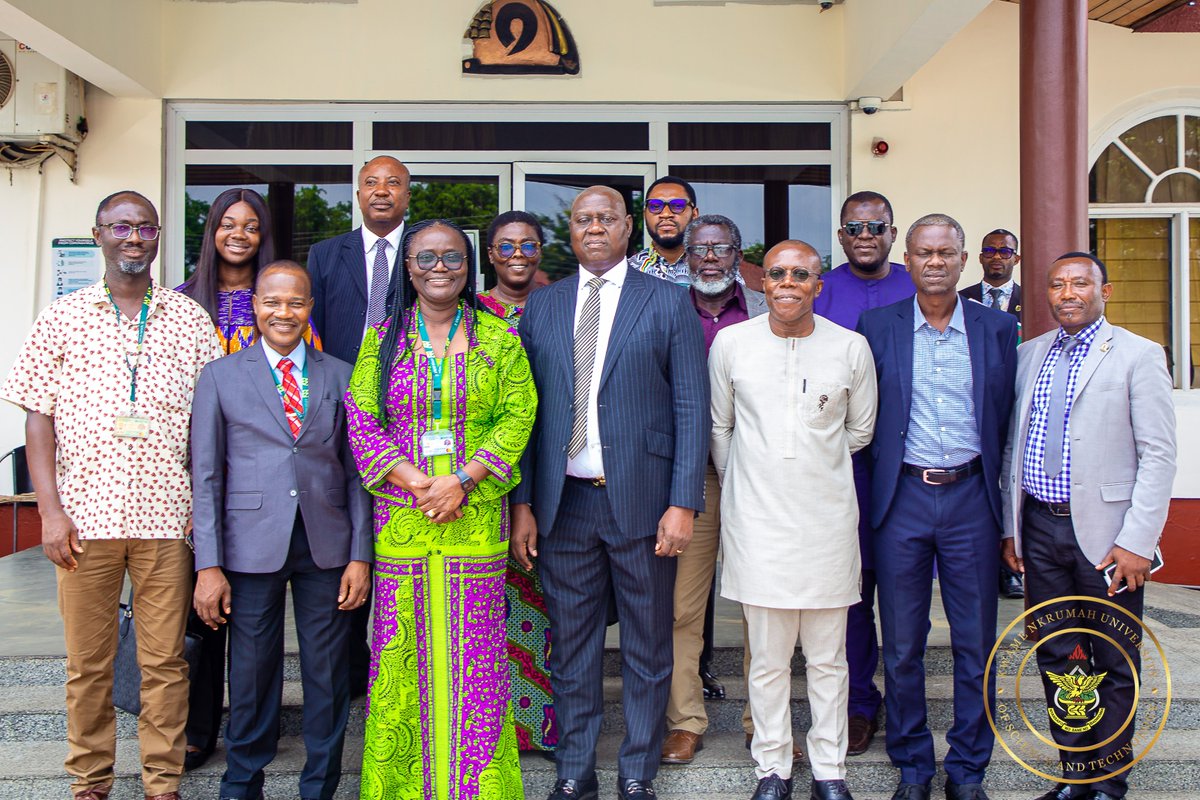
x: 377, y: 299
x: 293, y: 403
x: 587, y: 332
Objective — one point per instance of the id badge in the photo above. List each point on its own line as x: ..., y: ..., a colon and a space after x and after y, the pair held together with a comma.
x: 437, y: 443
x: 131, y: 427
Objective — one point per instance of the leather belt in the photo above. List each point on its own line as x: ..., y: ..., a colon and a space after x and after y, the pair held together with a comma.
x: 596, y: 482
x: 1053, y: 509
x: 940, y: 477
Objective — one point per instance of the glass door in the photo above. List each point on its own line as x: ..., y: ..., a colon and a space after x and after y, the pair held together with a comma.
x: 547, y: 189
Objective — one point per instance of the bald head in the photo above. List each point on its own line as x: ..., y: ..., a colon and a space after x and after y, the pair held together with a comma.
x: 383, y: 194
x: 612, y: 195
x: 803, y: 253
x: 600, y: 228
x: 286, y: 267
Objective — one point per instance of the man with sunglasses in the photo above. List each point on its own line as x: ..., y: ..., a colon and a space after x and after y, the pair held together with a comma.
x: 866, y: 280
x: 998, y: 257
x: 106, y: 379
x: 670, y: 207
x: 793, y: 395
x: 713, y: 245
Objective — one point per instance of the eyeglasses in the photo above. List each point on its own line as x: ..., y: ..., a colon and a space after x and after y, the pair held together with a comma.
x: 798, y: 275
x: 718, y: 250
x: 874, y: 227
x: 677, y: 206
x: 508, y: 249
x: 1003, y: 252
x: 123, y: 230
x: 427, y: 260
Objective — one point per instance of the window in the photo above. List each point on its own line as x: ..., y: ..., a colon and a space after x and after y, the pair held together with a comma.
x: 1145, y: 210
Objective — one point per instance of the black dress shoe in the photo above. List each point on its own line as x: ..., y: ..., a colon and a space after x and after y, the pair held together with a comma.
x: 830, y: 790
x: 630, y: 789
x: 911, y: 791
x: 965, y: 791
x: 1067, y: 791
x: 713, y: 688
x: 1099, y: 795
x: 773, y: 787
x: 1011, y: 585
x: 195, y: 758
x: 571, y: 789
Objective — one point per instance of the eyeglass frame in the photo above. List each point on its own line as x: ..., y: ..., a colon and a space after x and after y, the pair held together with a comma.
x: 868, y: 225
x: 537, y: 246
x: 439, y: 259
x: 139, y: 228
x: 792, y: 272
x: 668, y: 204
x: 705, y: 248
x: 997, y: 251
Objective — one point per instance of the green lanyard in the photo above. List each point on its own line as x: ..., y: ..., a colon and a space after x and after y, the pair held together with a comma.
x: 436, y: 366
x: 136, y: 361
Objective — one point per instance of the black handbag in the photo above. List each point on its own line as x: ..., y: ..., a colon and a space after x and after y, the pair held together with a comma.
x: 127, y: 675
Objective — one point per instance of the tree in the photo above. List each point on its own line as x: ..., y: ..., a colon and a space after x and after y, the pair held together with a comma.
x: 194, y: 214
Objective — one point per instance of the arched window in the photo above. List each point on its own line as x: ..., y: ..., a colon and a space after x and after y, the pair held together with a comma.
x: 1145, y: 224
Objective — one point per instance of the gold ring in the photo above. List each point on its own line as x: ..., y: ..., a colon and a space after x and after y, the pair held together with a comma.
x: 429, y: 513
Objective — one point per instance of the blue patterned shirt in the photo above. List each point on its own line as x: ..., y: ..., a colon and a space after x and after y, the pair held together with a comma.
x: 1035, y: 481
x: 941, y: 425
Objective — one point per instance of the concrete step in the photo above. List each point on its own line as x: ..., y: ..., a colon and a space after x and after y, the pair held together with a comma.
x: 722, y: 771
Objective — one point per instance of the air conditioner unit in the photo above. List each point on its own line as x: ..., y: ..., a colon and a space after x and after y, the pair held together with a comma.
x: 37, y: 97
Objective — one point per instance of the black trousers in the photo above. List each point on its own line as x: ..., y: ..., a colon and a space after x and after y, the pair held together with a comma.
x: 1056, y: 567
x: 206, y: 697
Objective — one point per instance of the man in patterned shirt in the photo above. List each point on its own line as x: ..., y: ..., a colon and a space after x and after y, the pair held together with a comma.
x: 1086, y: 486
x: 106, y: 379
x: 670, y: 206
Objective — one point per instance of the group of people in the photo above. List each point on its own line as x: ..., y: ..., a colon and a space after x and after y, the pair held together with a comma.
x: 493, y: 477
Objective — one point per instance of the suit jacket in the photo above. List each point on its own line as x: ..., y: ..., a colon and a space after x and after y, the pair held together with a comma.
x: 339, y: 286
x: 1122, y: 442
x: 992, y: 342
x: 653, y: 402
x: 975, y: 292
x: 249, y: 476
x: 756, y: 302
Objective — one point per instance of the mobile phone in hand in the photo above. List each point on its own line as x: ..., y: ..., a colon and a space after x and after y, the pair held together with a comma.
x: 1156, y: 562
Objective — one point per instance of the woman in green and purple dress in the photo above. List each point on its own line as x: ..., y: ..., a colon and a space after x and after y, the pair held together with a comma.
x: 439, y: 409
x: 514, y: 246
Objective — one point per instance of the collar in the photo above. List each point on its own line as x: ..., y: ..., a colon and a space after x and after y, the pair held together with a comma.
x: 1085, y: 336
x: 393, y: 238
x: 297, y: 355
x: 956, y: 318
x: 738, y: 298
x: 97, y: 295
x: 616, y: 275
x: 985, y: 287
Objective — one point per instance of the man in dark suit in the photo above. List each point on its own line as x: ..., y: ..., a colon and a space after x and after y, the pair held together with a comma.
x: 612, y: 478
x: 946, y: 370
x: 278, y: 499
x: 998, y: 257
x: 351, y: 276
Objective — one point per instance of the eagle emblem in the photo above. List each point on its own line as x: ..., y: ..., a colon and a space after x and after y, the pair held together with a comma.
x: 1078, y: 694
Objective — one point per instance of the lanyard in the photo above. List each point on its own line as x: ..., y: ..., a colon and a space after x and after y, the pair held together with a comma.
x: 136, y: 361
x: 436, y: 366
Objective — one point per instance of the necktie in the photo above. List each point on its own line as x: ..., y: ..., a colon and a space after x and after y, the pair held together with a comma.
x: 996, y: 295
x: 1056, y: 416
x: 293, y: 404
x: 587, y: 331
x: 377, y: 299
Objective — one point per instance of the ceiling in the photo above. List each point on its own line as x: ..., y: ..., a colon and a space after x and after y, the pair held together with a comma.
x: 1129, y: 13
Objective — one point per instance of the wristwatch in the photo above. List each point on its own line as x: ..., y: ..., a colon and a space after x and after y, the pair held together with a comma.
x: 468, y: 483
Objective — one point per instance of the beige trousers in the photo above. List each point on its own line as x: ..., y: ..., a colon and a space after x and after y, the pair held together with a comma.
x: 161, y: 573
x: 693, y: 577
x: 772, y: 634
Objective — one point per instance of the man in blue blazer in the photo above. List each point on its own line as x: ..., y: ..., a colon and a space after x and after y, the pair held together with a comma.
x: 278, y: 500
x: 946, y: 370
x: 612, y: 479
x: 351, y: 280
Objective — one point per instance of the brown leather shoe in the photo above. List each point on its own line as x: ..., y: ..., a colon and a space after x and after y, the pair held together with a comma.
x: 95, y: 793
x: 797, y: 752
x: 862, y: 731
x: 167, y: 796
x: 680, y: 747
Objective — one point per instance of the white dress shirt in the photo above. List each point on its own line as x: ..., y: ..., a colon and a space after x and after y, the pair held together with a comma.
x: 393, y: 249
x: 590, y: 461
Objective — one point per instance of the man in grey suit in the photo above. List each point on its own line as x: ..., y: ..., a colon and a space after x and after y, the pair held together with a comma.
x: 612, y: 478
x: 1086, y: 484
x: 278, y: 499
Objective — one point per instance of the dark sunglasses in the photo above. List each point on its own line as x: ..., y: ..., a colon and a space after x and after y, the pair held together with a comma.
x: 677, y: 206
x: 799, y: 275
x: 874, y: 227
x: 1003, y: 252
x: 508, y: 249
x: 123, y: 230
x: 427, y: 260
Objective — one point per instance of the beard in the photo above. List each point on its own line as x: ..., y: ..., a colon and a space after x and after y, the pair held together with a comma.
x: 667, y: 242
x: 713, y: 288
x: 872, y: 268
x: 133, y: 267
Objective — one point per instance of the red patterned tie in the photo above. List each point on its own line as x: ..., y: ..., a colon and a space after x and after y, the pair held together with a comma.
x: 293, y: 405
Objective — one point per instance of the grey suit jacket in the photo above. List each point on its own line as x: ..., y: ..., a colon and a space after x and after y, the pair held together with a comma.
x: 1122, y: 431
x: 249, y: 476
x: 756, y: 302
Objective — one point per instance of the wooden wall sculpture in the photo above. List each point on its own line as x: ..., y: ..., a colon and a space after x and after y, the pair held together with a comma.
x: 520, y: 37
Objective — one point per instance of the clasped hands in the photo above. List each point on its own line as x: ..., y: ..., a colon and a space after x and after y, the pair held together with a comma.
x: 440, y: 498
